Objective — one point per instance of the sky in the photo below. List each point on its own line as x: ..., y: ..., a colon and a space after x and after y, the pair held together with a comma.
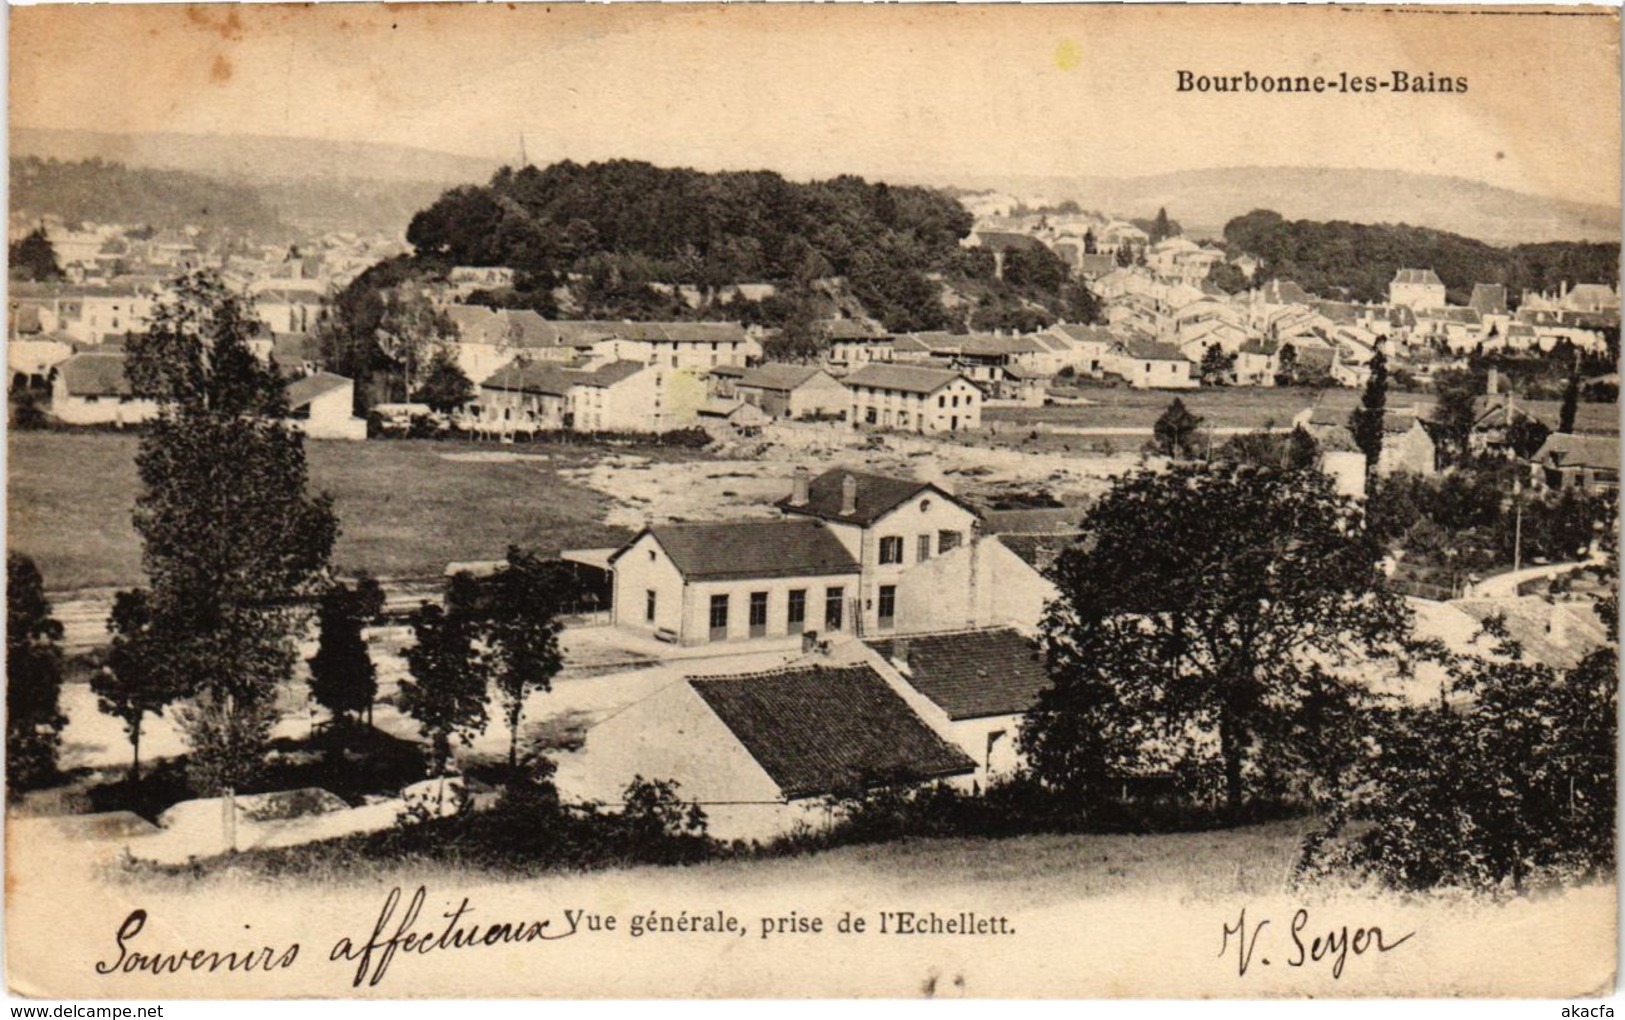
x: 920, y: 91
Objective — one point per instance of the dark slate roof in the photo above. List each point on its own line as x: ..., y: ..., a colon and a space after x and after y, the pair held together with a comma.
x: 819, y: 730
x: 903, y: 378
x: 1488, y: 298
x: 849, y: 329
x: 95, y: 375
x: 973, y: 673
x: 739, y: 550
x: 302, y: 391
x: 877, y: 496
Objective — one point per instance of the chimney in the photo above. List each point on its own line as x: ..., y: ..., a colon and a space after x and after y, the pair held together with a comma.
x: 899, y: 655
x: 849, y: 495
x: 798, y: 487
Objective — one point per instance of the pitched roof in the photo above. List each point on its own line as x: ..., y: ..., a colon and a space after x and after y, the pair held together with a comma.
x: 779, y: 377
x: 1037, y: 551
x: 1037, y: 521
x: 531, y: 377
x: 1285, y: 292
x: 1488, y: 298
x: 741, y: 550
x: 877, y: 495
x: 681, y: 332
x: 605, y: 375
x: 972, y: 674
x: 993, y: 345
x: 1084, y: 334
x: 1418, y: 276
x: 849, y: 329
x: 1565, y: 450
x: 95, y: 374
x: 818, y: 730
x: 302, y: 391
x: 1152, y: 350
x: 903, y: 378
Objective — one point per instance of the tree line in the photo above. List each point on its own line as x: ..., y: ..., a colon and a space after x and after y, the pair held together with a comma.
x: 1356, y: 261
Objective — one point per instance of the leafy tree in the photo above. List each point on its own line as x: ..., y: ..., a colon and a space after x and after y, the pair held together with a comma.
x: 521, y: 633
x: 1081, y: 305
x: 1174, y: 433
x: 1228, y: 277
x: 34, y: 720
x: 1516, y: 777
x: 446, y: 694
x: 1160, y: 229
x: 34, y: 258
x: 1220, y: 602
x: 1125, y: 255
x: 231, y: 541
x: 410, y: 332
x: 1217, y: 365
x: 445, y: 387
x: 1456, y: 411
x: 343, y: 679
x: 1035, y: 268
x: 1366, y: 421
x: 135, y: 682
x: 1571, y: 401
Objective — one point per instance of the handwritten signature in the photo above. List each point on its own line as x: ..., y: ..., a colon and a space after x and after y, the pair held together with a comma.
x: 1334, y: 947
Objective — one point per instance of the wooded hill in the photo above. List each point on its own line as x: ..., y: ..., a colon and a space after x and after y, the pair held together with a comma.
x: 608, y: 231
x: 1356, y: 261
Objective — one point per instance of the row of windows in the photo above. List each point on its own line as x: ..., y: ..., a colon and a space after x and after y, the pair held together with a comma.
x: 795, y: 610
x: 891, y: 546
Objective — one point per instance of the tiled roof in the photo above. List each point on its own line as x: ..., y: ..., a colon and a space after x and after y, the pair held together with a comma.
x: 972, y: 674
x: 740, y: 550
x: 682, y: 332
x: 1084, y: 334
x: 849, y: 329
x: 95, y: 375
x: 779, y: 377
x: 820, y: 730
x: 1565, y: 450
x: 1042, y: 521
x: 1037, y: 551
x: 302, y: 391
x: 1285, y: 292
x: 992, y: 345
x: 606, y: 375
x: 1488, y: 298
x: 531, y: 377
x: 1418, y: 276
x: 903, y: 378
x: 877, y: 495
x: 1151, y: 350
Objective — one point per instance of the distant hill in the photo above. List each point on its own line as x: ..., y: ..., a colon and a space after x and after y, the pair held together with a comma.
x: 1205, y: 200
x: 256, y: 158
x: 100, y: 192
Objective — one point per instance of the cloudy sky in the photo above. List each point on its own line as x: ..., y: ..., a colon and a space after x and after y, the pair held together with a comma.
x: 918, y: 91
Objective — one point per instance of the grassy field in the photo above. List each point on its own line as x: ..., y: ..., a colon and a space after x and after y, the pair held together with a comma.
x: 1247, y: 407
x: 406, y: 508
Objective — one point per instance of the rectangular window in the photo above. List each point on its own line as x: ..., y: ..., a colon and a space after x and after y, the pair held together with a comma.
x: 649, y: 606
x: 891, y: 549
x: 796, y: 616
x: 833, y: 598
x: 758, y: 613
x: 922, y: 550
x: 869, y: 416
x: 888, y: 606
x: 719, y: 618
x: 947, y: 540
x: 942, y: 401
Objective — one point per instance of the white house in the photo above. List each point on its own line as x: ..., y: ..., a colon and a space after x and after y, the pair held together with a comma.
x: 1416, y: 288
x: 1149, y: 365
x: 889, y: 526
x: 974, y: 688
x: 322, y: 406
x: 735, y: 581
x: 792, y: 391
x: 915, y: 399
x: 90, y: 389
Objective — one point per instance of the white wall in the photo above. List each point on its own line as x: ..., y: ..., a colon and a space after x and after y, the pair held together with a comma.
x: 636, y: 574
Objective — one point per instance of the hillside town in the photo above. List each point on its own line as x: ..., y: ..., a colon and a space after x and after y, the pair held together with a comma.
x: 874, y: 617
